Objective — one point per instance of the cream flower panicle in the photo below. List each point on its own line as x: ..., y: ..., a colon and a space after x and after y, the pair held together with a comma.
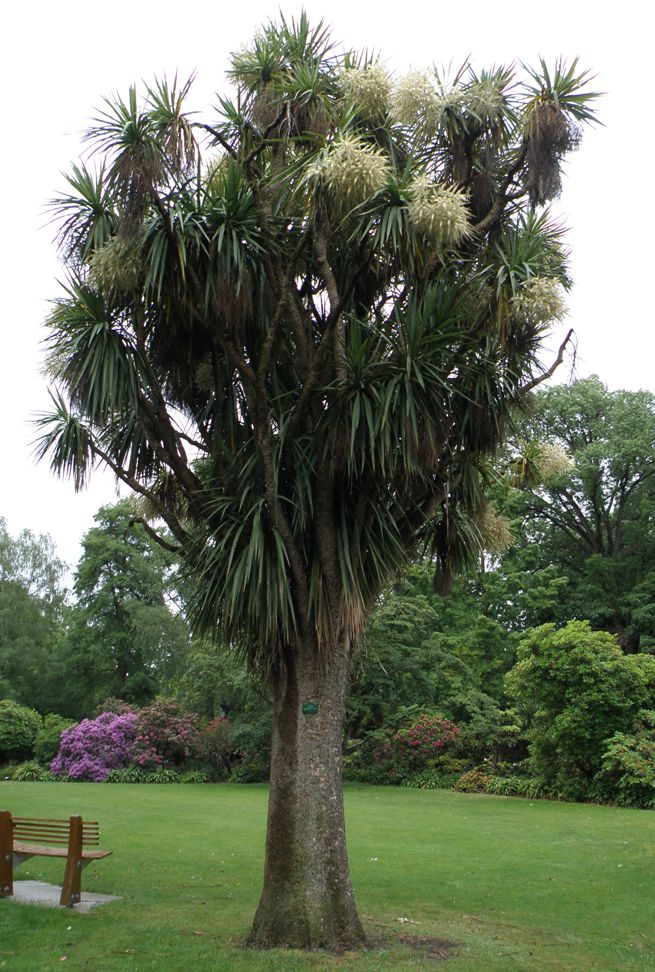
x: 485, y: 100
x: 553, y: 461
x: 495, y: 530
x: 352, y: 170
x: 117, y: 266
x: 439, y: 212
x: 539, y: 300
x: 368, y: 89
x: 415, y: 103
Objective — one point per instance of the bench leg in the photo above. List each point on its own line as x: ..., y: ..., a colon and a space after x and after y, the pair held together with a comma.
x: 71, y: 890
x: 6, y: 855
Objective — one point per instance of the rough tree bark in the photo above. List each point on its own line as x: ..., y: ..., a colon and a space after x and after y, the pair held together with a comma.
x: 307, y: 900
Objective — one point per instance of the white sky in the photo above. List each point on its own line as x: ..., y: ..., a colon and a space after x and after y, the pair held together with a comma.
x: 59, y: 59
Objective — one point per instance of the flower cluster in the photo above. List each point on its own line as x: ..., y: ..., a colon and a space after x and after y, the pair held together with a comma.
x: 553, y: 461
x: 439, y: 212
x: 90, y: 750
x: 353, y: 171
x: 415, y: 103
x: 117, y: 266
x: 485, y: 100
x: 539, y: 301
x: 425, y: 738
x: 367, y: 88
x: 494, y: 529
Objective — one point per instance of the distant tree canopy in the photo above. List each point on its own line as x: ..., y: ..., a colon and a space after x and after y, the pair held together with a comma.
x: 124, y: 641
x: 31, y: 618
x: 589, y: 530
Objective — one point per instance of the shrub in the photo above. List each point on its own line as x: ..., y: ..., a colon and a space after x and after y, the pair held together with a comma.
x: 522, y: 786
x: 197, y: 776
x: 165, y: 736
x: 48, y: 738
x: 475, y: 781
x: 91, y: 749
x: 130, y: 774
x: 424, y: 739
x: 627, y: 775
x: 252, y: 769
x: 432, y: 781
x: 162, y: 775
x: 212, y: 745
x: 18, y: 730
x: 31, y: 773
x: 575, y: 688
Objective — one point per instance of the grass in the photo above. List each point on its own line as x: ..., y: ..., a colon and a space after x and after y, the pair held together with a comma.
x: 520, y: 885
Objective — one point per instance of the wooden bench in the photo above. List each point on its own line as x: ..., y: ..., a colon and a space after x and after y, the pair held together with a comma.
x: 25, y: 837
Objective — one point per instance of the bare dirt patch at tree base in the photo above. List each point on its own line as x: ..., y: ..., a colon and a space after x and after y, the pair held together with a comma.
x: 430, y: 948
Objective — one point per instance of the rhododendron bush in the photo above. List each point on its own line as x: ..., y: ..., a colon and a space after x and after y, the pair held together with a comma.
x: 424, y: 739
x: 160, y: 735
x: 90, y: 750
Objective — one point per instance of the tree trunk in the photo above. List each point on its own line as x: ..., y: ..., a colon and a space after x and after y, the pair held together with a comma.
x: 307, y: 900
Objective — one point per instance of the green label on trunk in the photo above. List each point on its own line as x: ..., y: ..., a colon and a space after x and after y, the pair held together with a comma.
x: 309, y: 708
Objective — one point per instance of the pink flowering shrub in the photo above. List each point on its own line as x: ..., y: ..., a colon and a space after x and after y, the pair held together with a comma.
x: 424, y: 740
x: 90, y: 750
x: 165, y: 736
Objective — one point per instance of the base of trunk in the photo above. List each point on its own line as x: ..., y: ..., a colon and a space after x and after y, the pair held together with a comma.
x: 307, y: 900
x: 297, y: 923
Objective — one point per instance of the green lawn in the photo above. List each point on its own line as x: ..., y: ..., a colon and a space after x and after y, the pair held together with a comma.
x: 519, y: 885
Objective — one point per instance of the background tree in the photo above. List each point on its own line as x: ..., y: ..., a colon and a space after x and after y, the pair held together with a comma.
x: 299, y: 343
x: 575, y: 688
x: 588, y: 534
x: 124, y: 640
x: 32, y: 602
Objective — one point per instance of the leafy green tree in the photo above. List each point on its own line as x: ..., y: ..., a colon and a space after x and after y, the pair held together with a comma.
x: 32, y: 599
x: 575, y: 688
x: 297, y: 331
x: 424, y: 651
x: 19, y: 727
x: 588, y: 532
x: 627, y: 774
x: 124, y: 640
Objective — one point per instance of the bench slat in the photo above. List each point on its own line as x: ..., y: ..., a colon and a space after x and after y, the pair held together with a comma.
x: 39, y: 850
x: 56, y: 820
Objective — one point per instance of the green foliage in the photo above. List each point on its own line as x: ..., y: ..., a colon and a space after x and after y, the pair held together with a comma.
x: 162, y: 775
x: 213, y: 745
x: 576, y: 688
x: 31, y: 619
x: 252, y: 768
x: 19, y: 727
x: 627, y: 774
x: 424, y: 651
x: 124, y: 640
x: 587, y: 533
x: 32, y: 773
x: 195, y: 776
x: 433, y: 781
x: 515, y: 786
x: 129, y: 774
x: 48, y: 736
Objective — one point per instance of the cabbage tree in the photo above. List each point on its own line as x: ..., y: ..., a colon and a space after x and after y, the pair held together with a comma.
x: 297, y: 330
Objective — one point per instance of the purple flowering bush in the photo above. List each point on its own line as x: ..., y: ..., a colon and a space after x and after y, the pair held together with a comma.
x: 90, y: 750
